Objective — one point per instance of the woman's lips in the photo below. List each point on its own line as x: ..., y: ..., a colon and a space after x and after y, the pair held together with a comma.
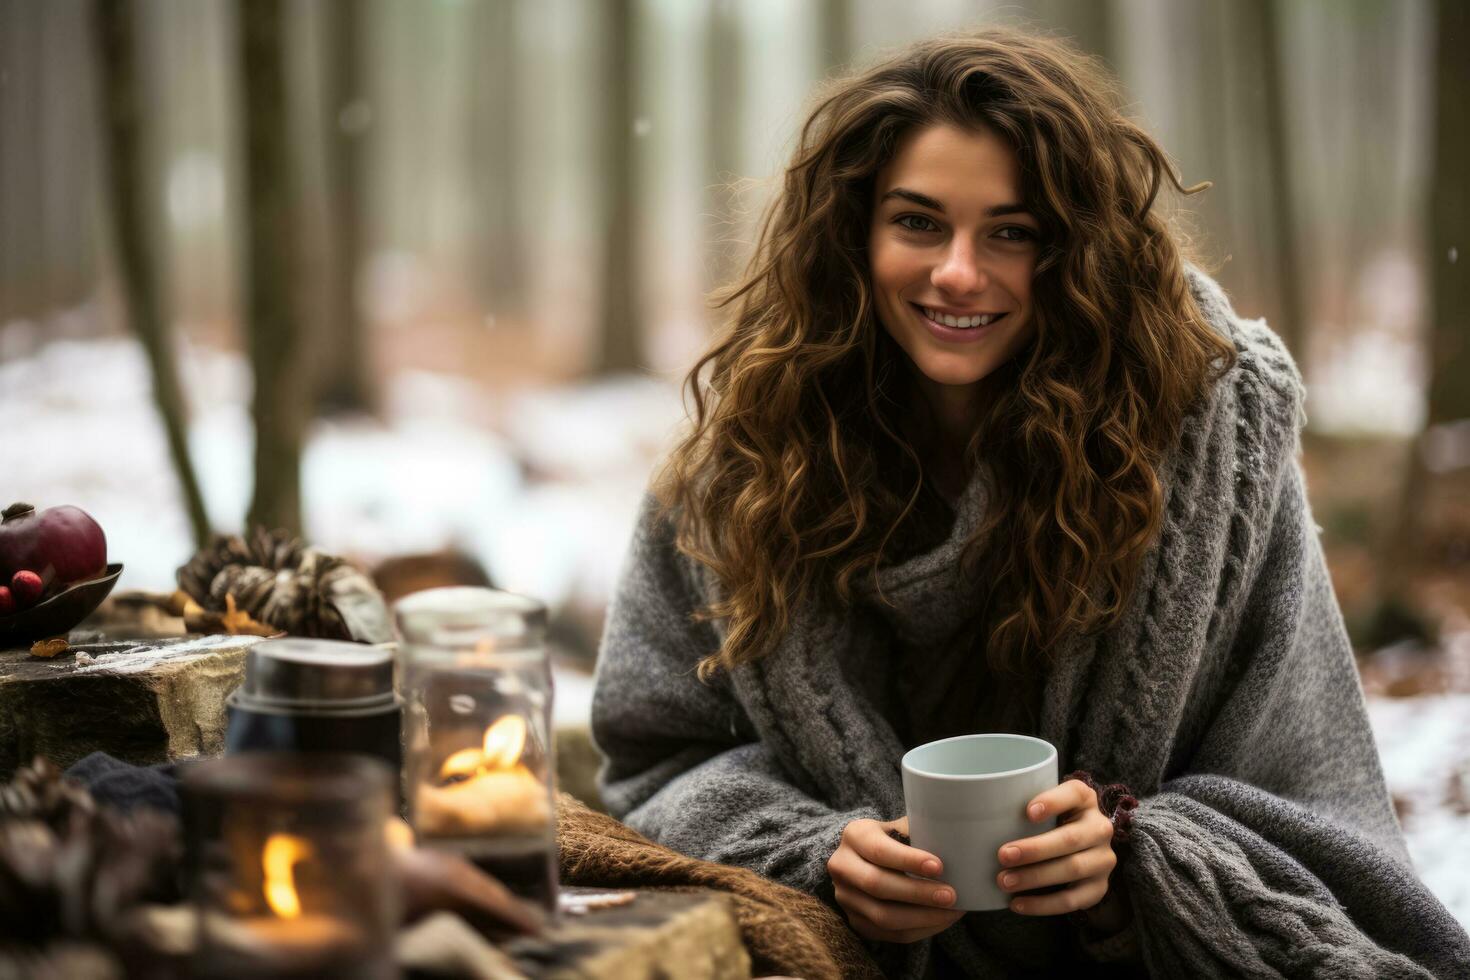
x: 956, y: 335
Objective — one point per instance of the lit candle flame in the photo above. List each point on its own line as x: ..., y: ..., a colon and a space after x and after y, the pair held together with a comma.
x: 486, y: 789
x: 465, y: 762
x: 504, y: 741
x: 279, y: 859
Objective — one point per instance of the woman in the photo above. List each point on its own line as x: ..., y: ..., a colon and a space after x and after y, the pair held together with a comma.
x: 981, y: 452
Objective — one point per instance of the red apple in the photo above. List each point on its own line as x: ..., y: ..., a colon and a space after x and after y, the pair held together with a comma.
x: 60, y: 544
x: 7, y: 601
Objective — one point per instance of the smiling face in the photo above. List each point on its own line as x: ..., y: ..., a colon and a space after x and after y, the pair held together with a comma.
x: 952, y: 252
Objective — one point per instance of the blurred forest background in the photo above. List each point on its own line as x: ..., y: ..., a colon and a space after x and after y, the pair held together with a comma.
x: 410, y: 275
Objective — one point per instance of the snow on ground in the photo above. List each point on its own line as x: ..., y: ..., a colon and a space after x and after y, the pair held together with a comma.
x: 541, y: 486
x: 146, y: 657
x: 1425, y: 744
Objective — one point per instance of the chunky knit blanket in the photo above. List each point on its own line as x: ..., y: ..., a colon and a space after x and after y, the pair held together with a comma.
x: 1265, y: 844
x: 786, y: 932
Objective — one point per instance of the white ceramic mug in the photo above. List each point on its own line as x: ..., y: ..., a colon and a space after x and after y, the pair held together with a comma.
x: 966, y: 796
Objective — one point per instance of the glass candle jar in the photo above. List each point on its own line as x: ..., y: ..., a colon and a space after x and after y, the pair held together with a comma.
x: 479, y: 767
x: 287, y: 865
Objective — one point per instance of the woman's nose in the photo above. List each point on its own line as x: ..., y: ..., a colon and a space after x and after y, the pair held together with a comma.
x: 960, y: 271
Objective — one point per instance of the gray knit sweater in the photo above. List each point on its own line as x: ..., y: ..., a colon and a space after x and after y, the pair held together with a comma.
x: 1227, y: 698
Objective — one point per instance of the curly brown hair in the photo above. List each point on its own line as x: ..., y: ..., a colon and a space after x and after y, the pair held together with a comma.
x: 796, y: 475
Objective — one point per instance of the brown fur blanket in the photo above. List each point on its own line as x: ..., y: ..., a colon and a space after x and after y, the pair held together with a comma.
x: 786, y: 931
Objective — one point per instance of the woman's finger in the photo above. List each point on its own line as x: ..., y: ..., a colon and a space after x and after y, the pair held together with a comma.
x: 866, y: 927
x: 1091, y: 863
x: 914, y: 935
x: 1089, y: 830
x: 869, y: 930
x: 873, y: 844
x: 1070, y: 795
x: 891, y: 886
x: 863, y: 927
x: 1083, y: 895
x: 893, y: 916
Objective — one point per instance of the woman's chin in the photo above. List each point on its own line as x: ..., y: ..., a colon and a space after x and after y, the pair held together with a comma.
x: 947, y: 373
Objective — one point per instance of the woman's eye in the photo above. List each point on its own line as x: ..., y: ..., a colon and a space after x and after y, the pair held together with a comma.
x: 1015, y: 233
x: 916, y: 222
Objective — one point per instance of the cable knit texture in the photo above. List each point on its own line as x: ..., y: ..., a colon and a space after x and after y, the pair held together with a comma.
x: 1227, y: 698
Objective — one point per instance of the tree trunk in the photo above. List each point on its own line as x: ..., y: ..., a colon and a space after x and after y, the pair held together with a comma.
x: 1448, y: 338
x: 120, y: 100
x: 273, y: 335
x: 1449, y: 219
x: 497, y: 174
x: 621, y: 349
x: 22, y: 275
x: 1262, y: 29
x: 344, y: 376
x: 834, y: 29
x: 67, y: 144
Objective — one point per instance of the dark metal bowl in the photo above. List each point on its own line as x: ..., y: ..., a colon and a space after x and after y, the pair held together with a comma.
x: 58, y: 614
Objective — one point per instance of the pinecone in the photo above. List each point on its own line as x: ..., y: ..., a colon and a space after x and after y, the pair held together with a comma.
x: 71, y: 870
x: 283, y: 583
x: 37, y: 792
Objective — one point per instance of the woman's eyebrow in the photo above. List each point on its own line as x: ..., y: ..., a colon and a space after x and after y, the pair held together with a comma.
x: 922, y: 200
x: 925, y: 201
x: 1003, y: 209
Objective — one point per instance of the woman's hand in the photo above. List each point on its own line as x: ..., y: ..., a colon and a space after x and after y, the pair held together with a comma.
x: 881, y: 901
x: 1077, y: 856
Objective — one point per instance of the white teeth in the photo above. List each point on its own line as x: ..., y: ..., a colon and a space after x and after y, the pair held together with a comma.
x: 961, y: 322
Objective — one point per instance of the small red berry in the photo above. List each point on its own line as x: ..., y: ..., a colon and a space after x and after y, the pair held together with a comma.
x: 7, y: 601
x: 26, y: 587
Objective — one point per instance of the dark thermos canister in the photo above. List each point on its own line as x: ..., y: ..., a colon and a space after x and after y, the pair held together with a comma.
x: 312, y: 695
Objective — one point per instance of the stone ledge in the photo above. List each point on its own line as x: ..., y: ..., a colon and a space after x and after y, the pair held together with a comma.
x: 691, y: 935
x: 144, y: 703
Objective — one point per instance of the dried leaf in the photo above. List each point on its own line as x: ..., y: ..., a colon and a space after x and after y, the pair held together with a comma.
x: 49, y: 648
x: 197, y: 619
x: 239, y: 622
x: 233, y: 620
x: 179, y: 602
